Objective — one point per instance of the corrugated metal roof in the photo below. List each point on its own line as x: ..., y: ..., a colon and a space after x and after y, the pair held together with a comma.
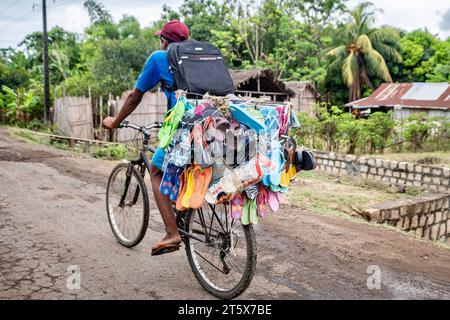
x: 408, y: 95
x: 391, y: 91
x: 425, y: 91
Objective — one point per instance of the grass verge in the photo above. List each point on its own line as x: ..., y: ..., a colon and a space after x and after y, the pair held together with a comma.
x: 108, y: 152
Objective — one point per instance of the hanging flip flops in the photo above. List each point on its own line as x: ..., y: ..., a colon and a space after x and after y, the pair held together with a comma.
x: 236, y: 154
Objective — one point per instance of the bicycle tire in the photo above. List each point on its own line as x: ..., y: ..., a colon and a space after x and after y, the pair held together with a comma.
x: 144, y: 194
x: 249, y: 269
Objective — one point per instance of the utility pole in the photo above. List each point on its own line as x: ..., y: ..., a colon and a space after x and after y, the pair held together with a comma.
x: 47, y: 117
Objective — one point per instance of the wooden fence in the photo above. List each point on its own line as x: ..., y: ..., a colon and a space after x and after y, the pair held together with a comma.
x: 73, y: 115
x: 80, y: 117
x: 152, y: 108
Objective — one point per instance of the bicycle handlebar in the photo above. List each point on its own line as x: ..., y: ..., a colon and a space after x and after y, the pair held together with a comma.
x: 126, y: 124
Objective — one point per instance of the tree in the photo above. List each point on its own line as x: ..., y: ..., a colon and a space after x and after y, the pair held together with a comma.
x: 267, y: 34
x: 59, y: 40
x: 425, y: 58
x: 19, y: 105
x: 59, y: 64
x: 13, y: 69
x: 316, y: 14
x: 203, y: 16
x: 363, y: 55
x: 97, y: 12
x: 129, y: 27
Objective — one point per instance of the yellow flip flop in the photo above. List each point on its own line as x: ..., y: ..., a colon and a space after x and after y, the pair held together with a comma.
x: 285, y: 178
x: 292, y: 173
x: 186, y: 201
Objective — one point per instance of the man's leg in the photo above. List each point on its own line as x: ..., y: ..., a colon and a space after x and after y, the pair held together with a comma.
x: 165, y: 208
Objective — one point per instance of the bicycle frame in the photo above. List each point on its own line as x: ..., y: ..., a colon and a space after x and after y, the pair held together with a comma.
x: 143, y: 162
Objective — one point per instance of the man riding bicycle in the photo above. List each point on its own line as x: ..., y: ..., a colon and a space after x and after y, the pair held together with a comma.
x: 156, y: 70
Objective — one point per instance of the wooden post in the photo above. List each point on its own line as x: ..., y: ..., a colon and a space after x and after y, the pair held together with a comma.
x: 87, y: 147
x: 101, y: 117
x: 108, y: 136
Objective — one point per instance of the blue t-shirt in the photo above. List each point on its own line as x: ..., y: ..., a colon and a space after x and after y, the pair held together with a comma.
x: 156, y: 69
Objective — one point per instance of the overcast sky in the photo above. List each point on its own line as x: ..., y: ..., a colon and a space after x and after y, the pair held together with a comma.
x: 17, y: 18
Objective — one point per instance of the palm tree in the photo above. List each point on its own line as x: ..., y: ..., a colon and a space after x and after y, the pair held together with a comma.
x: 363, y: 56
x: 59, y: 61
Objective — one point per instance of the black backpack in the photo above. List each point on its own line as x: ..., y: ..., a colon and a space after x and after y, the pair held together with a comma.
x: 198, y: 67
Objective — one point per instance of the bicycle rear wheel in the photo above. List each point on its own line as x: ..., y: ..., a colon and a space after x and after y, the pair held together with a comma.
x: 127, y: 205
x: 223, y: 257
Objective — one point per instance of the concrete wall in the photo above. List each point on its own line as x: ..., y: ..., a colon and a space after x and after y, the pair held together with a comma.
x: 431, y: 178
x: 427, y: 216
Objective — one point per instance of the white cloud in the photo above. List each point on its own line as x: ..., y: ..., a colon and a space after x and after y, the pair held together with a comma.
x: 412, y: 14
x: 409, y: 15
x: 77, y: 19
x: 444, y: 24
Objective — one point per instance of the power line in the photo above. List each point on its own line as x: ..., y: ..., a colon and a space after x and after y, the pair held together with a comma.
x: 35, y: 10
x: 8, y: 6
x: 17, y: 19
x: 63, y: 3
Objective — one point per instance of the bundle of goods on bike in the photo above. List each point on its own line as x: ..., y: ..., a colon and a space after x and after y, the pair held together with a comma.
x: 230, y: 149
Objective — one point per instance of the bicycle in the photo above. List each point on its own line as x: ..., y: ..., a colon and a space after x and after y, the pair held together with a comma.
x: 221, y: 261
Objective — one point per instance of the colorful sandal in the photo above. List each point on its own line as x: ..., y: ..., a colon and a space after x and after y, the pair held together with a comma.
x: 242, y: 115
x: 237, y: 205
x: 186, y: 201
x: 277, y: 159
x: 274, y: 205
x: 183, y: 187
x: 253, y: 211
x: 170, y: 124
x: 202, y: 178
x: 245, y: 219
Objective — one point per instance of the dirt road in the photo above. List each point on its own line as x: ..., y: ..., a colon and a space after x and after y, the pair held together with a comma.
x: 52, y: 216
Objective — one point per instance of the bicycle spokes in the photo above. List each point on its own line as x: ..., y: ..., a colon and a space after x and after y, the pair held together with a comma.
x: 218, y: 259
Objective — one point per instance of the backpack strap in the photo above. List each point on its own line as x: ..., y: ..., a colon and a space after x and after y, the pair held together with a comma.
x: 169, y: 89
x: 171, y: 50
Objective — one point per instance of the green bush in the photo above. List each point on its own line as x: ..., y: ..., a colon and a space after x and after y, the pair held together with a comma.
x: 416, y: 130
x: 20, y: 106
x: 59, y: 145
x: 339, y: 131
x: 376, y: 132
x: 115, y: 152
x: 36, y: 124
x: 335, y: 130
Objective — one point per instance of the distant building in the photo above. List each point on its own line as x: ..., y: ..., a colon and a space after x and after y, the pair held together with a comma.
x: 407, y: 98
x: 260, y: 83
x: 305, y: 96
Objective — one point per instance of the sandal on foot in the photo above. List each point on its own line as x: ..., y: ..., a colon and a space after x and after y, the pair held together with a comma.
x: 165, y: 248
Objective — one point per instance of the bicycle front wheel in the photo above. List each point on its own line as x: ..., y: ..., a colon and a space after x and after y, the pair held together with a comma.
x: 127, y: 205
x: 223, y: 254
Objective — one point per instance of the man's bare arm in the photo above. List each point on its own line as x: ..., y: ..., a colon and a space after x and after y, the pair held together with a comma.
x: 131, y: 103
